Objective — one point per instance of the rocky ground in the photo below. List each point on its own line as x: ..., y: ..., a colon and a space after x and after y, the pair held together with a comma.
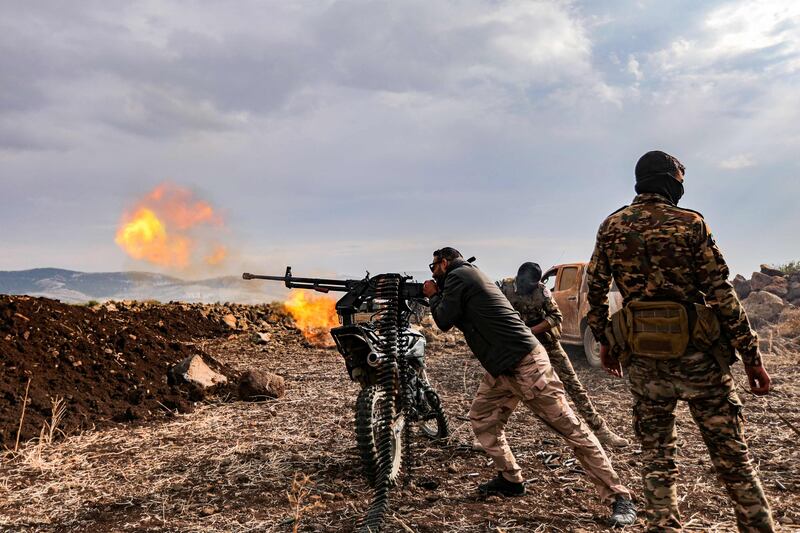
x: 217, y: 464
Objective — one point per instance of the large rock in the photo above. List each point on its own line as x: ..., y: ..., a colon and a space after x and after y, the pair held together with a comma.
x: 779, y: 287
x: 194, y: 370
x: 794, y: 291
x: 255, y: 385
x: 770, y: 271
x: 762, y: 306
x: 759, y: 281
x: 229, y: 320
x: 742, y: 286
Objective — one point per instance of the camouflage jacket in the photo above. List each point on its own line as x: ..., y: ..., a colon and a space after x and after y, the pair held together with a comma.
x: 534, y: 308
x: 657, y: 251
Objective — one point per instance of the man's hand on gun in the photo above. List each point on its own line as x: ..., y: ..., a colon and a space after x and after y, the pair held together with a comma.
x: 429, y: 288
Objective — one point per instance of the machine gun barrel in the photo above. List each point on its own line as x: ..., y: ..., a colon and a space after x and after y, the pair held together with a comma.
x: 317, y: 284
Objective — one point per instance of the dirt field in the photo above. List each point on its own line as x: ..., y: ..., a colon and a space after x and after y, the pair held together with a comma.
x: 230, y: 466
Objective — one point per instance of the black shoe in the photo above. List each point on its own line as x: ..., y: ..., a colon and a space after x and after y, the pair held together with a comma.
x: 501, y: 486
x: 623, y: 512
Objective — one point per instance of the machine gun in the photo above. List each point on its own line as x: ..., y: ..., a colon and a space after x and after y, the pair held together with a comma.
x: 358, y: 292
x: 387, y: 358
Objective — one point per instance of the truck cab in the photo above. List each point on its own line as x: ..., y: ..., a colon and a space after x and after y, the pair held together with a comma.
x: 567, y: 282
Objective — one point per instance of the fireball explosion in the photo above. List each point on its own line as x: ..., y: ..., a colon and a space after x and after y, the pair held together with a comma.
x: 314, y: 316
x: 169, y: 227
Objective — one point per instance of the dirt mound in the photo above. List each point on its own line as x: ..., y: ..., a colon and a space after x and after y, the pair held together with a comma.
x: 108, y: 362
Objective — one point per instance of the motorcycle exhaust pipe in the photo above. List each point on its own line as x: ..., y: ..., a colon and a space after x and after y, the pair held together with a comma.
x: 374, y: 359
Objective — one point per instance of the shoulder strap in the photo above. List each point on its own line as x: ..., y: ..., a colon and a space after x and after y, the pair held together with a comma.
x: 618, y: 210
x: 691, y: 211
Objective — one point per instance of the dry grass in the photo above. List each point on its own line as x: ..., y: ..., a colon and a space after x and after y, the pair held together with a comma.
x: 291, y: 464
x: 790, y: 324
x: 50, y: 428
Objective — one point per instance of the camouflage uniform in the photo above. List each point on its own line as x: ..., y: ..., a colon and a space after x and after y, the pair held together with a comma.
x: 657, y: 251
x: 535, y: 308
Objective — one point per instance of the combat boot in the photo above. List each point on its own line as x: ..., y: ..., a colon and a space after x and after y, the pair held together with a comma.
x: 623, y: 512
x: 609, y: 438
x: 501, y: 486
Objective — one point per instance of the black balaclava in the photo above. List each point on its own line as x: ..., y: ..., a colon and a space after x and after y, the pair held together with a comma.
x: 528, y: 277
x: 657, y: 172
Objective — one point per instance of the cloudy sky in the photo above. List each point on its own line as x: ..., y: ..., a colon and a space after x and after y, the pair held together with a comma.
x: 339, y: 136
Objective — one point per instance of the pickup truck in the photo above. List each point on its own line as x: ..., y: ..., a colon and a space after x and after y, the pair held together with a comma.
x: 567, y: 282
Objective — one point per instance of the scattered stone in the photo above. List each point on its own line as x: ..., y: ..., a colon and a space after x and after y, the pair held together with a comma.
x: 763, y: 306
x: 759, y: 281
x: 794, y: 291
x: 779, y: 287
x: 229, y: 320
x: 262, y: 338
x: 194, y: 370
x: 257, y: 385
x: 742, y: 286
x: 770, y: 271
x: 428, y: 484
x: 208, y: 510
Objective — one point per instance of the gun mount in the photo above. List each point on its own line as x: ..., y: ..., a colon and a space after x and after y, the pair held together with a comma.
x: 387, y: 358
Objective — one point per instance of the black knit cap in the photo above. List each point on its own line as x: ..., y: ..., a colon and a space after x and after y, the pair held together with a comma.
x: 657, y: 162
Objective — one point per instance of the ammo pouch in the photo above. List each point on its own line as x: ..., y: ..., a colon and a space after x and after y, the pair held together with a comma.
x: 706, y: 332
x: 663, y: 330
x: 707, y: 336
x: 656, y: 330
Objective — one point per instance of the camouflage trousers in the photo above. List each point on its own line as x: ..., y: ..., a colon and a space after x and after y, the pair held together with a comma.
x: 534, y: 383
x: 575, y: 389
x: 698, y: 379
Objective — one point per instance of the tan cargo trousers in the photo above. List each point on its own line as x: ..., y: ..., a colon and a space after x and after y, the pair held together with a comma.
x: 534, y: 383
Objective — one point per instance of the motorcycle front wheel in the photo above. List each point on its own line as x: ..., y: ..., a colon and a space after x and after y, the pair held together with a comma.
x: 368, y: 409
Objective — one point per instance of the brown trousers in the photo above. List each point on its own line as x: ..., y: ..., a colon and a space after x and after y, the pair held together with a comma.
x: 575, y: 389
x: 534, y: 383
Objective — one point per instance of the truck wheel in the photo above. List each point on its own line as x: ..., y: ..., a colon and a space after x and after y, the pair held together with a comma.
x: 591, y: 347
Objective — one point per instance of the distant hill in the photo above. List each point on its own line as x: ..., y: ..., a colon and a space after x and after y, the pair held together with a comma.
x: 77, y: 287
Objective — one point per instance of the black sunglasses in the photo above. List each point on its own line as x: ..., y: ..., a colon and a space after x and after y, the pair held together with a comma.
x: 433, y: 265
